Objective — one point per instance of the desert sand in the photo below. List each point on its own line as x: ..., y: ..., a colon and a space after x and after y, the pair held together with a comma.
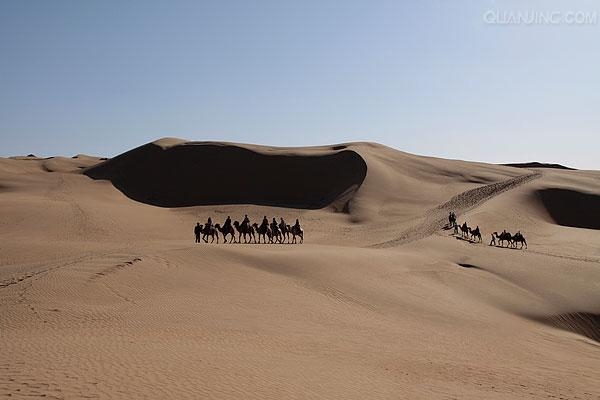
x: 103, y: 293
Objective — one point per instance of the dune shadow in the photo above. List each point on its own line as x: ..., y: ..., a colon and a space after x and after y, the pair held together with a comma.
x: 572, y: 208
x: 470, y: 266
x: 197, y: 174
x: 509, y: 247
x: 465, y: 240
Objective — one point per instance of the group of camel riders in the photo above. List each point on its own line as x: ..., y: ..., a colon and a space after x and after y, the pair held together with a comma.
x: 274, y: 232
x: 472, y: 234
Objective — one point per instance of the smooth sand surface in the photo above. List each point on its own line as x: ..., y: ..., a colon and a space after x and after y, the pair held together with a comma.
x: 104, y: 296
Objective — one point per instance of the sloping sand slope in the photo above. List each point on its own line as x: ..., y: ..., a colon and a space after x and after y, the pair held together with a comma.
x: 102, y: 296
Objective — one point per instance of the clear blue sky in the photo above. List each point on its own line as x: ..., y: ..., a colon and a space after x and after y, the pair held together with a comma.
x: 428, y: 77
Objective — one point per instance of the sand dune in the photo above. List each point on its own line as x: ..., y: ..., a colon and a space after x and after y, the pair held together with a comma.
x: 538, y: 165
x: 104, y: 295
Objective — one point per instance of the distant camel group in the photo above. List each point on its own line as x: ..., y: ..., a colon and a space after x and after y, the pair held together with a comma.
x: 269, y: 232
x: 475, y: 235
x: 511, y: 240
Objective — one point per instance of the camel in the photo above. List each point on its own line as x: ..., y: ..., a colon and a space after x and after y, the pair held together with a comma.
x: 277, y: 235
x: 296, y: 230
x: 519, y: 238
x: 264, y: 231
x: 504, y: 236
x: 225, y: 231
x: 475, y: 233
x: 285, y: 231
x: 210, y: 231
x: 244, y: 229
x: 465, y: 230
x: 251, y: 233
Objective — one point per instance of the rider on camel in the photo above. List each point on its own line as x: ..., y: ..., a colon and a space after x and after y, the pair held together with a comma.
x: 246, y: 221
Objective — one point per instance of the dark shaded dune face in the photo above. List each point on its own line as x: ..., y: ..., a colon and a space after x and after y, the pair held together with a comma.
x: 585, y: 324
x: 572, y: 208
x: 209, y: 174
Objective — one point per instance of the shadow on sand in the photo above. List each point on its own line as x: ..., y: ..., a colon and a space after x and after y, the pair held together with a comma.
x: 470, y: 266
x: 465, y: 239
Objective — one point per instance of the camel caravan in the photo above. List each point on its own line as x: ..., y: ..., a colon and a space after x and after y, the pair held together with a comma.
x: 269, y: 232
x: 475, y: 235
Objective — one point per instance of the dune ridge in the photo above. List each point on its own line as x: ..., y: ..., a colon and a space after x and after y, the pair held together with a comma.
x: 536, y: 164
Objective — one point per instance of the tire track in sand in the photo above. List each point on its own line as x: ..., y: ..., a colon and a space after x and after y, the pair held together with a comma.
x: 434, y: 219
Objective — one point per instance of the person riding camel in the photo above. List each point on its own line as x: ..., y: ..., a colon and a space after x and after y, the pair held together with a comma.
x: 274, y: 225
x: 227, y: 223
x: 207, y: 227
x: 265, y: 222
x: 297, y: 224
x: 282, y: 224
x: 246, y: 221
